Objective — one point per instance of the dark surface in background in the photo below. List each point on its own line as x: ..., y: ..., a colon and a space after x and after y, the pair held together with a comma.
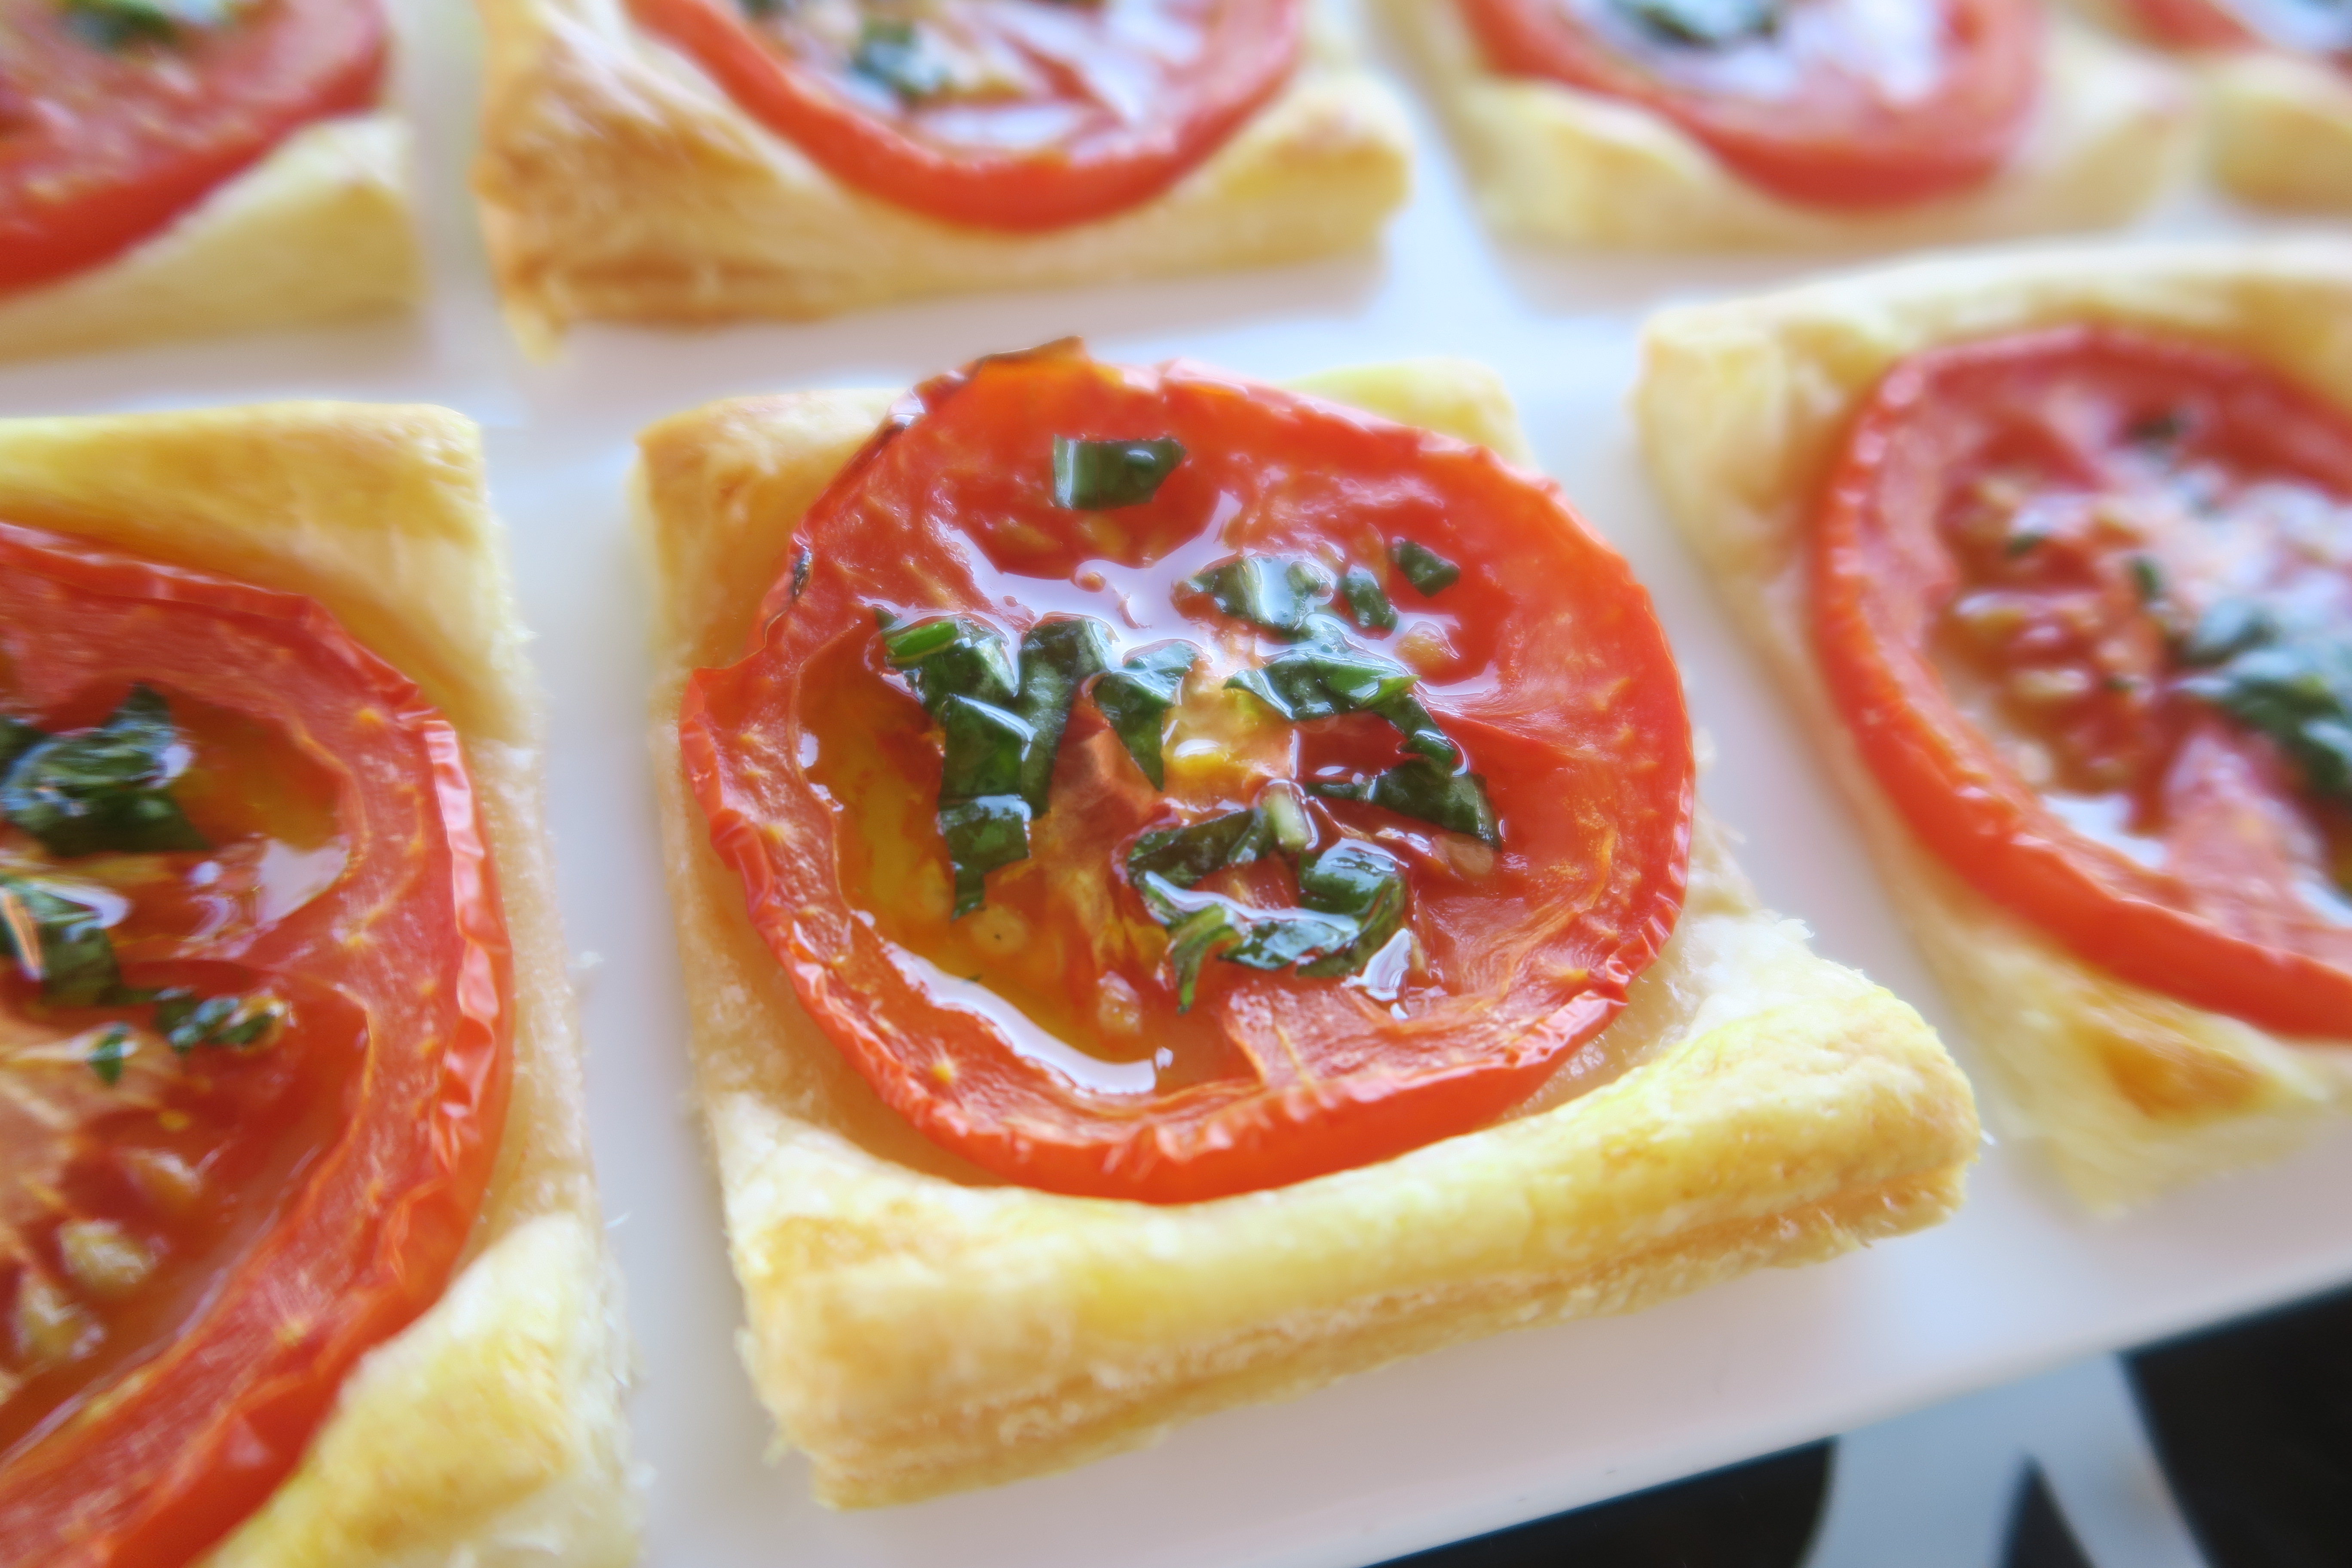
x: 2039, y: 1536
x: 1756, y: 1515
x: 2254, y: 1422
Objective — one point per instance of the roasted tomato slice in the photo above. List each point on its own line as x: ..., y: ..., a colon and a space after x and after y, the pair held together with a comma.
x: 1162, y: 786
x: 1005, y: 114
x: 254, y: 1025
x: 2299, y: 27
x: 116, y: 116
x: 1837, y: 103
x: 2085, y: 600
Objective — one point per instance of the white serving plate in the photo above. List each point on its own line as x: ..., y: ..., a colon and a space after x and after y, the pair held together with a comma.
x: 1427, y: 1452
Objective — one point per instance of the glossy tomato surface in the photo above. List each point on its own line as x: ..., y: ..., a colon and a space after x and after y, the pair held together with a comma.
x: 1042, y: 1036
x: 2078, y: 595
x: 108, y: 132
x: 2298, y: 26
x: 1834, y: 104
x: 1005, y: 114
x: 202, y: 1232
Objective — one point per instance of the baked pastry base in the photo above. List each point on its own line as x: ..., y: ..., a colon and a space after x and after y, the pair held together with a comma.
x: 491, y: 1431
x: 618, y: 183
x: 1742, y: 408
x: 918, y: 1328
x: 2280, y: 130
x: 1559, y: 166
x: 317, y: 232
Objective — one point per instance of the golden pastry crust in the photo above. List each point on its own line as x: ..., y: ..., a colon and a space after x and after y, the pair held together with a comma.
x: 618, y: 183
x: 1742, y: 408
x: 317, y: 232
x: 917, y: 1328
x: 381, y: 514
x: 1557, y: 165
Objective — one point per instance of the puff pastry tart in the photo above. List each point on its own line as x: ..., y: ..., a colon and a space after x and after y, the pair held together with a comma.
x: 2056, y: 553
x: 299, y: 1245
x: 172, y: 170
x: 2278, y: 91
x: 1726, y: 123
x: 707, y: 160
x: 1188, y: 889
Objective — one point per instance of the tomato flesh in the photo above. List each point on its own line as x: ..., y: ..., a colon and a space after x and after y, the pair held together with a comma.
x: 197, y: 1245
x: 2294, y: 26
x: 1041, y: 1036
x: 1040, y: 114
x: 1842, y: 104
x: 103, y: 147
x: 2012, y: 570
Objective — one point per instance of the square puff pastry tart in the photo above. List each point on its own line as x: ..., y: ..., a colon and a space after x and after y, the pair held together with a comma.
x: 318, y: 231
x: 917, y: 1328
x: 1743, y: 408
x: 491, y: 1431
x: 1556, y: 166
x: 619, y: 183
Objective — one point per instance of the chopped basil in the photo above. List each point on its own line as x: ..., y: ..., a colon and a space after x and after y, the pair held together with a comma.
x: 2228, y: 626
x: 985, y: 746
x: 891, y: 52
x: 1423, y: 568
x: 1321, y: 681
x: 2025, y: 542
x: 2295, y: 688
x: 91, y: 791
x: 1278, y: 592
x: 56, y: 935
x: 1136, y: 697
x: 1098, y: 475
x: 1057, y: 657
x: 1367, y: 602
x: 107, y: 1057
x: 119, y: 24
x: 983, y: 835
x: 1364, y: 884
x: 1284, y: 811
x: 1183, y: 856
x: 954, y: 656
x: 188, y: 1020
x: 16, y: 738
x: 1705, y: 24
x: 1205, y: 925
x: 1354, y: 896
x: 2162, y: 430
x: 2148, y: 578
x: 1424, y: 790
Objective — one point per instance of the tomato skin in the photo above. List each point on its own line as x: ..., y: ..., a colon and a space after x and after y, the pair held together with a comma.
x: 105, y: 148
x: 1838, y: 142
x: 1574, y: 727
x: 2194, y: 25
x: 1253, y: 47
x: 1877, y: 579
x: 171, y: 1460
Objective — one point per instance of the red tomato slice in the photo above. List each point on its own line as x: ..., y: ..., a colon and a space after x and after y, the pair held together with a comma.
x: 1047, y: 114
x: 2288, y: 24
x: 298, y: 1205
x: 1069, y: 1065
x: 2020, y: 544
x: 101, y: 148
x: 1837, y: 106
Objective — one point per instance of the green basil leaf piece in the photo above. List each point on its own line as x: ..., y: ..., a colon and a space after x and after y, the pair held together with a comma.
x: 1057, y: 657
x: 1099, y: 475
x: 2298, y: 690
x: 1423, y: 568
x: 91, y: 791
x: 57, y: 934
x: 1364, y: 883
x: 1278, y: 592
x: 1283, y: 810
x: 984, y: 749
x: 1135, y: 699
x: 951, y: 656
x: 1192, y: 939
x: 1320, y: 682
x: 1367, y: 602
x: 1278, y: 939
x: 983, y: 835
x: 16, y: 738
x: 1705, y: 24
x: 107, y: 1057
x: 1183, y: 856
x: 892, y: 53
x: 1205, y: 925
x: 2228, y: 626
x: 187, y: 1020
x: 1427, y: 791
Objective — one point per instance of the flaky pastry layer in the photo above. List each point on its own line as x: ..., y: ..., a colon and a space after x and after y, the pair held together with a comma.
x: 317, y: 232
x: 490, y: 1430
x: 2280, y: 130
x: 619, y: 183
x: 1743, y: 408
x: 917, y: 1328
x: 1558, y: 165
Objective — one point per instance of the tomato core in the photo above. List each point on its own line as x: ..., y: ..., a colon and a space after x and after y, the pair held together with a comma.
x: 2081, y: 598
x: 1044, y: 1034
x: 1832, y: 103
x: 1020, y: 115
x: 246, y: 1129
x: 104, y: 143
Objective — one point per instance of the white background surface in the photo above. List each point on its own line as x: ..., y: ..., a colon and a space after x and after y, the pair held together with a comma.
x: 1430, y: 1451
